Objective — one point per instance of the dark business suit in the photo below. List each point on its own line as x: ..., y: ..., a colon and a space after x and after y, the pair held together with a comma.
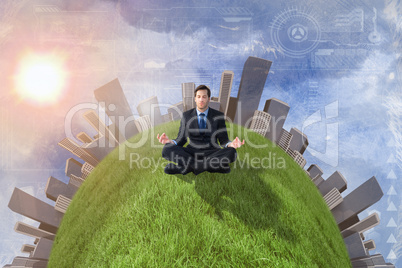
x: 204, y: 151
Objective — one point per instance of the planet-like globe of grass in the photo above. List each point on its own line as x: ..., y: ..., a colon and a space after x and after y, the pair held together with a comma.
x: 266, y: 212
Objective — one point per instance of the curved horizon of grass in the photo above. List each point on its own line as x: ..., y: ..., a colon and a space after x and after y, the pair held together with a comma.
x: 137, y: 216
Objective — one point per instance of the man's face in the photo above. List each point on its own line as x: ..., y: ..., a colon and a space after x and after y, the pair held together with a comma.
x: 202, y: 100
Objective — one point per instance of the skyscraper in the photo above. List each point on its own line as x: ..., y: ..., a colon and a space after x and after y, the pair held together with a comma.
x: 187, y: 90
x: 42, y: 249
x: 54, y: 188
x: 232, y: 107
x: 356, y: 201
x: 314, y: 170
x: 36, y: 209
x: 74, y: 148
x: 260, y: 122
x: 298, y: 157
x: 98, y: 148
x: 225, y: 89
x: 176, y: 110
x: 84, y: 137
x: 150, y: 107
x: 75, y: 181
x: 167, y: 117
x: 26, y: 248
x: 143, y: 123
x: 278, y: 111
x: 215, y: 105
x: 73, y: 167
x: 299, y: 140
x: 336, y: 180
x: 86, y: 170
x: 23, y: 228
x: 284, y: 140
x: 93, y: 119
x: 255, y: 72
x: 117, y: 108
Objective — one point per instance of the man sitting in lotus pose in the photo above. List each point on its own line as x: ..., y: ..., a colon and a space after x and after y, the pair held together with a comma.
x: 204, y: 127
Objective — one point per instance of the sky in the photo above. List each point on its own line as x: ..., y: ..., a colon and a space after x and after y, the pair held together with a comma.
x: 337, y: 64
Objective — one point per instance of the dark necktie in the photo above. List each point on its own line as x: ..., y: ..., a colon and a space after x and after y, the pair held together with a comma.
x: 202, y: 121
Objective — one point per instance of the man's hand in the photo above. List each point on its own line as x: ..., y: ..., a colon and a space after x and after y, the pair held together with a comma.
x: 163, y: 138
x: 236, y: 143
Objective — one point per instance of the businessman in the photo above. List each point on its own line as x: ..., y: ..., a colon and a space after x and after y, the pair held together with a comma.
x: 209, y: 147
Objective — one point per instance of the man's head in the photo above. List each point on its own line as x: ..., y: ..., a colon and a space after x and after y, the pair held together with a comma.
x: 202, y: 95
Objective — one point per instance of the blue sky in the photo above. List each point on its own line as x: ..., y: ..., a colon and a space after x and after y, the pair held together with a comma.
x: 337, y: 64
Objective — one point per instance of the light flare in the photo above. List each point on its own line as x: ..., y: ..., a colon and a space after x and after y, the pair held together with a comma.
x: 41, y: 78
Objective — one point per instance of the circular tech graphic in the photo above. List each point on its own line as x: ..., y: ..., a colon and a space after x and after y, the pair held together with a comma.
x: 295, y: 32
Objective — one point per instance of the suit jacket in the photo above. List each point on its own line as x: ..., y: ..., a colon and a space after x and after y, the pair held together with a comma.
x: 203, y: 139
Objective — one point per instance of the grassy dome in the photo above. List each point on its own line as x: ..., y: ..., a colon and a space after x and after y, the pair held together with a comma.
x: 265, y: 212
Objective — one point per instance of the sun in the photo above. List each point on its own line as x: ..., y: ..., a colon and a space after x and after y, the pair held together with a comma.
x: 41, y: 78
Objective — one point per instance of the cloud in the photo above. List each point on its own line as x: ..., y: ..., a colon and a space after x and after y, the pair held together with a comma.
x: 393, y: 10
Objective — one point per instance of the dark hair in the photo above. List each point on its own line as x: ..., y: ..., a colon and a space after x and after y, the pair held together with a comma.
x: 203, y: 87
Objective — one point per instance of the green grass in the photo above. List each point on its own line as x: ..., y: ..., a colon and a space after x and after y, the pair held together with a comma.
x: 126, y: 216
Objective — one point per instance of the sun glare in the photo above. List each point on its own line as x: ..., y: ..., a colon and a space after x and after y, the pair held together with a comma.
x: 41, y: 78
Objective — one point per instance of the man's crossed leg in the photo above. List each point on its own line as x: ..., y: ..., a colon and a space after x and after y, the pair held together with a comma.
x: 194, y: 160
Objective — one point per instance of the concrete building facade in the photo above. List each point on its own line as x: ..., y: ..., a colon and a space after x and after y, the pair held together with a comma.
x: 255, y: 72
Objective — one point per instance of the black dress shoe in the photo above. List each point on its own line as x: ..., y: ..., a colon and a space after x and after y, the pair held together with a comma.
x: 172, y: 169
